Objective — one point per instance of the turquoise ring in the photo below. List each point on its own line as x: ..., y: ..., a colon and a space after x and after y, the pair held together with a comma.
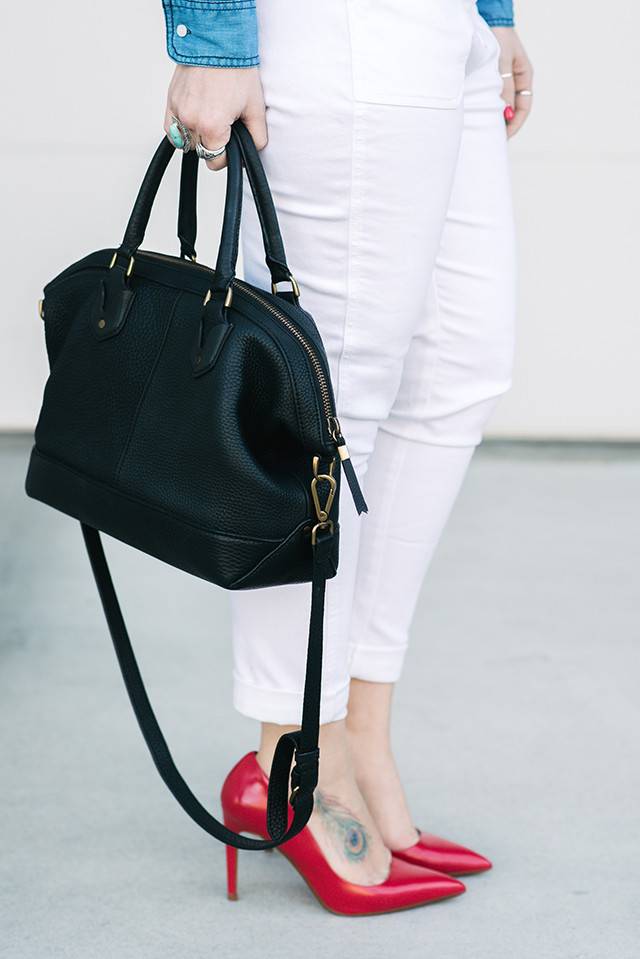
x: 179, y: 135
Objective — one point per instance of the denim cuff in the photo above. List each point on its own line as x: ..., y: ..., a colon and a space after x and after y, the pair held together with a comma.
x: 497, y: 13
x: 212, y: 33
x: 498, y: 22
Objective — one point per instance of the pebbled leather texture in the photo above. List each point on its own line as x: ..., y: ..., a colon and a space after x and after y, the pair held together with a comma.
x: 140, y: 439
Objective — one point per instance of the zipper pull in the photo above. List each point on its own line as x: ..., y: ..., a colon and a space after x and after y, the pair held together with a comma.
x: 347, y: 465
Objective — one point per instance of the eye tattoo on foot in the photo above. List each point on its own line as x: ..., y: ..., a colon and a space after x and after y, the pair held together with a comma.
x: 349, y: 836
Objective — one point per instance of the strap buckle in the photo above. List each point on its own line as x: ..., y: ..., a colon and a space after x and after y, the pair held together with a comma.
x: 129, y: 268
x: 227, y: 299
x: 322, y: 512
x: 294, y: 286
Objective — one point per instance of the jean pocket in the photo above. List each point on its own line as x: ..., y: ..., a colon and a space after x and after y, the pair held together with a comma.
x: 410, y: 52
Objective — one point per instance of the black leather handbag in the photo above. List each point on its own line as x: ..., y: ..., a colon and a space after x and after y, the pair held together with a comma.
x: 191, y: 415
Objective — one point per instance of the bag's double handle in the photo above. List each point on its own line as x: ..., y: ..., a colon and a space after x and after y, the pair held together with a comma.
x: 240, y: 148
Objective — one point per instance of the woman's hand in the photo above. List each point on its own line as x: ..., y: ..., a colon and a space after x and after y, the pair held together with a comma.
x: 207, y: 100
x: 514, y: 60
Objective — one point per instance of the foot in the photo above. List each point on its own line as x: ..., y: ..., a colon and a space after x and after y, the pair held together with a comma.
x: 379, y: 782
x: 374, y: 767
x: 341, y: 824
x: 346, y: 833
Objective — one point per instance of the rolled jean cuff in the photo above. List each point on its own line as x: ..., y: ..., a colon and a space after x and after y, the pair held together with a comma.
x: 284, y: 707
x: 375, y: 665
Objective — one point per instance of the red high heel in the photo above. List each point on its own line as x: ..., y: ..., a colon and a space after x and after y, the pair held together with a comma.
x: 244, y: 805
x: 433, y: 852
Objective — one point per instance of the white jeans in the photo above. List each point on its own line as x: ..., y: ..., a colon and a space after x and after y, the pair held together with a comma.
x: 388, y: 164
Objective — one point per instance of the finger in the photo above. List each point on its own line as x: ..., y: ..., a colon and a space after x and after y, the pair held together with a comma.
x: 211, y: 133
x: 508, y: 94
x: 256, y: 124
x: 180, y: 137
x: 214, y: 140
x: 505, y: 65
x: 168, y: 121
x: 219, y: 163
x: 523, y: 108
x: 523, y: 76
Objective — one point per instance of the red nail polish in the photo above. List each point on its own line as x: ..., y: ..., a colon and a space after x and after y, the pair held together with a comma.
x: 508, y: 113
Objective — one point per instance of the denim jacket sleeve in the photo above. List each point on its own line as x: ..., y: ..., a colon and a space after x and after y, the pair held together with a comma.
x: 224, y: 33
x: 497, y: 13
x: 212, y: 33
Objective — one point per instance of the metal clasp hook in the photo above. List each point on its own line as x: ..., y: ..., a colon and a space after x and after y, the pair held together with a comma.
x: 322, y: 513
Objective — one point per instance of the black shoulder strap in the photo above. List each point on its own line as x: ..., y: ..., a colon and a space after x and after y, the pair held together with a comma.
x: 304, y: 744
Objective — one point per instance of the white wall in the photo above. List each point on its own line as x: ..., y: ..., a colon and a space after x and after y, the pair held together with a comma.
x: 576, y: 175
x: 83, y: 109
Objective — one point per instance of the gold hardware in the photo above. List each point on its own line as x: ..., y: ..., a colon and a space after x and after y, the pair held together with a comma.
x: 102, y: 324
x: 334, y: 428
x: 114, y: 259
x: 322, y: 514
x: 294, y: 793
x: 294, y: 286
x: 41, y: 309
x: 193, y: 258
x: 327, y: 524
x: 198, y: 360
x: 316, y: 467
x: 343, y: 452
x: 227, y: 299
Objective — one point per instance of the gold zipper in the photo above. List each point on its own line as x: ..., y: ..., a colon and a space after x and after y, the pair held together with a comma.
x: 176, y: 259
x: 332, y: 422
x: 322, y: 380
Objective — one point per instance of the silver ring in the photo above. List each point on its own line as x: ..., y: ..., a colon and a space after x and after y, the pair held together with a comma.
x: 506, y: 76
x: 205, y: 154
x: 524, y: 93
x: 180, y: 133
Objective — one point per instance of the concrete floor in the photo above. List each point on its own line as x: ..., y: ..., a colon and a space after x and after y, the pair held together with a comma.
x: 516, y: 728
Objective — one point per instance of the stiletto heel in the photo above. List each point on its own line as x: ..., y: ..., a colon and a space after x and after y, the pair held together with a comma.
x: 232, y: 872
x: 244, y: 804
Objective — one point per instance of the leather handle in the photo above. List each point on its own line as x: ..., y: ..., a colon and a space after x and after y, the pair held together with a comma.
x: 188, y: 208
x: 134, y: 233
x: 227, y: 253
x: 273, y: 245
x: 274, y: 249
x: 230, y: 235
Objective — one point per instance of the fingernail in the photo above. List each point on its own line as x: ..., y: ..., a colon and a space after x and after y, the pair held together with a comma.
x: 509, y: 113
